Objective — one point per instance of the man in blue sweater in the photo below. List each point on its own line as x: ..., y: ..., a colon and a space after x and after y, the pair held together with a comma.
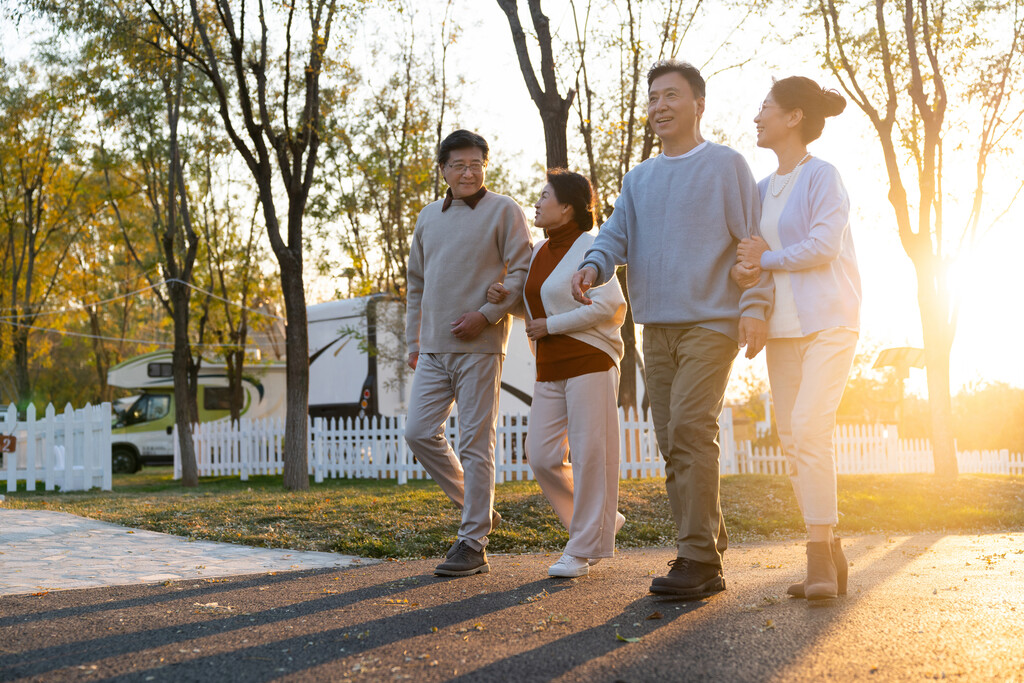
x: 675, y: 226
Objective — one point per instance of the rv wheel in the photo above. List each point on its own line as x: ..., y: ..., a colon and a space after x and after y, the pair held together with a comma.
x: 124, y: 461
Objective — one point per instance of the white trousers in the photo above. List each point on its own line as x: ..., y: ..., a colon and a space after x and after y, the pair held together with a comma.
x: 578, y: 415
x: 472, y: 380
x: 807, y: 377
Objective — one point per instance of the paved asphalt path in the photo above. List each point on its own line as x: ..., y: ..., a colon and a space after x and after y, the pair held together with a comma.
x: 921, y: 607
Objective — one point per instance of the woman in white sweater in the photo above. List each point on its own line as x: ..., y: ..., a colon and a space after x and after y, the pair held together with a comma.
x: 578, y: 350
x: 812, y: 332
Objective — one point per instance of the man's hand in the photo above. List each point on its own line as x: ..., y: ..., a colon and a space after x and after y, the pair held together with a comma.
x: 749, y: 251
x: 582, y: 280
x: 496, y: 293
x: 745, y: 276
x: 414, y: 358
x: 753, y: 335
x: 469, y: 325
x: 537, y: 328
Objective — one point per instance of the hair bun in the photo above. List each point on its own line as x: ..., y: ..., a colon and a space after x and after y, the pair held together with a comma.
x: 832, y: 103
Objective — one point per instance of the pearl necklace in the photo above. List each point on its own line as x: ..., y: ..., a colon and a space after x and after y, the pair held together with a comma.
x: 788, y: 177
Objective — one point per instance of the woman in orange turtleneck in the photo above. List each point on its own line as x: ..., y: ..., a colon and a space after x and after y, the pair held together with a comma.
x: 578, y: 350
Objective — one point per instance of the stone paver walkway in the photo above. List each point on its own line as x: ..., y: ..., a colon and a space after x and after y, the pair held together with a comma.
x: 41, y: 550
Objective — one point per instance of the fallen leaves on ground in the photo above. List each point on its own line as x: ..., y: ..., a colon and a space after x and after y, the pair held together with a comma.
x: 211, y: 607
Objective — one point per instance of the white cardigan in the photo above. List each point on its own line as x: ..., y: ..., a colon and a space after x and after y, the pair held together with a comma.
x: 597, y: 324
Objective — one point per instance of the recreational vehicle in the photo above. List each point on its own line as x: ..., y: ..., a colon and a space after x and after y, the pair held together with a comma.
x: 142, y: 433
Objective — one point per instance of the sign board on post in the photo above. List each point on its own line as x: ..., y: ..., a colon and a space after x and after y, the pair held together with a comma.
x: 8, y: 444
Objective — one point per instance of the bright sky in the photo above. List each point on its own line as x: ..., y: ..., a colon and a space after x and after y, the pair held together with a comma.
x: 496, y: 103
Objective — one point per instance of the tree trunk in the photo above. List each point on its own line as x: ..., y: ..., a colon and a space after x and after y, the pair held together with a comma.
x: 296, y: 468
x: 22, y: 380
x: 938, y: 341
x: 183, y: 398
x: 553, y: 108
x: 235, y: 366
x: 101, y: 355
x: 555, y: 140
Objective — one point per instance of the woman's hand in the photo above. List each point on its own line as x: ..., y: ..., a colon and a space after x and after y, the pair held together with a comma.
x: 537, y: 328
x: 749, y: 251
x: 744, y: 276
x: 496, y: 293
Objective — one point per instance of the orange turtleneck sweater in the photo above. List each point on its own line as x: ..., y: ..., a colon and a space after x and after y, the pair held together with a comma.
x: 559, y: 356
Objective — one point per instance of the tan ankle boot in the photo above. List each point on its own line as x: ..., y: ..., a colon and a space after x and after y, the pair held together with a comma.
x: 842, y: 572
x: 822, y: 580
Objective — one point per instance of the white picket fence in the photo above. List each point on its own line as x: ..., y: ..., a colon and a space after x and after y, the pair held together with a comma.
x: 376, y: 448
x: 70, y: 450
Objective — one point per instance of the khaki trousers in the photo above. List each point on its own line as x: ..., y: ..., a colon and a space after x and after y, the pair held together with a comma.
x: 807, y: 377
x: 687, y: 372
x: 579, y: 414
x: 471, y: 380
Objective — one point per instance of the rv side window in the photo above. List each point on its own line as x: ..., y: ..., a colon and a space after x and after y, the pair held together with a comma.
x: 159, y: 370
x: 216, y: 398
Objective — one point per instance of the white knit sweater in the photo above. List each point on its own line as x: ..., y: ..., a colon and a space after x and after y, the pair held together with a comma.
x: 597, y: 324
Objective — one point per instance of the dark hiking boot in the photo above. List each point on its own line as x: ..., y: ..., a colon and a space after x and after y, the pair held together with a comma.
x: 689, y: 579
x: 464, y: 562
x: 495, y: 523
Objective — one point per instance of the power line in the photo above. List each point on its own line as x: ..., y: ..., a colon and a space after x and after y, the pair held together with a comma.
x: 119, y: 339
x: 227, y: 301
x: 120, y: 297
x: 69, y: 309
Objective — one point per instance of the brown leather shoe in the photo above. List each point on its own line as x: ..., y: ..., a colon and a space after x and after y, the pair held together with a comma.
x: 689, y: 579
x: 495, y: 523
x: 465, y: 561
x: 842, y: 572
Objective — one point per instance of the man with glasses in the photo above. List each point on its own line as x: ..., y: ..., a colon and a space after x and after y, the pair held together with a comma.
x: 457, y: 340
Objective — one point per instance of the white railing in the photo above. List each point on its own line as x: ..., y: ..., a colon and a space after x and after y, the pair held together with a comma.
x: 70, y: 451
x: 375, y: 448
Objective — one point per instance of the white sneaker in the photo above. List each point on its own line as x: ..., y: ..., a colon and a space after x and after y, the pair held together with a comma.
x: 620, y: 519
x: 569, y: 566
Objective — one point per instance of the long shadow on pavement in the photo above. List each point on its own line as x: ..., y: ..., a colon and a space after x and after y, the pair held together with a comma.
x: 210, y: 587
x: 42, y: 660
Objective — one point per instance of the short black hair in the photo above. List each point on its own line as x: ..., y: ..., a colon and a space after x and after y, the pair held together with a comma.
x: 684, y: 69
x: 460, y: 139
x: 575, y: 190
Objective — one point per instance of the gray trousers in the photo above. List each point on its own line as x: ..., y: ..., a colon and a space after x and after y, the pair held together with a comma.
x: 471, y: 380
x: 687, y: 372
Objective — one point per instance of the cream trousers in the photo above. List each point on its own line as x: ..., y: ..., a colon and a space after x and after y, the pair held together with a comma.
x: 472, y: 381
x: 807, y: 377
x: 579, y: 415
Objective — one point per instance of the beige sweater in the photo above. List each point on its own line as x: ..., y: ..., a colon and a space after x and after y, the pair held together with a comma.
x: 454, y: 257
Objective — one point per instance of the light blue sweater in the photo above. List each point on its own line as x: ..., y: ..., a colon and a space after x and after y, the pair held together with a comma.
x: 676, y: 225
x: 817, y: 249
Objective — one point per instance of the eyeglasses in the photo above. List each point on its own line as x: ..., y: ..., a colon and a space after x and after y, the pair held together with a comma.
x: 460, y: 168
x: 767, y: 106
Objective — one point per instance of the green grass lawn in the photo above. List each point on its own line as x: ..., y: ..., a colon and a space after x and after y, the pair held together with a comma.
x: 381, y: 519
